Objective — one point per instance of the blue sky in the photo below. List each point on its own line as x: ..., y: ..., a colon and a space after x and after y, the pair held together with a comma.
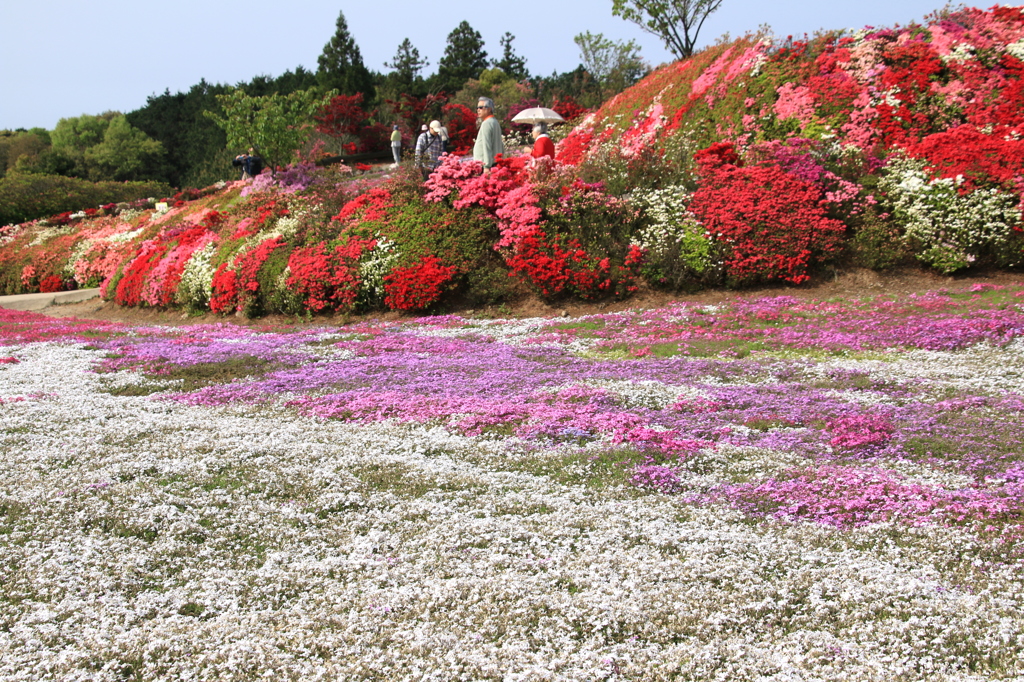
x: 63, y: 58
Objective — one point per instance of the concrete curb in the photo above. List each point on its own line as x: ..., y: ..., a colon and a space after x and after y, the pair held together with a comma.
x: 41, y: 301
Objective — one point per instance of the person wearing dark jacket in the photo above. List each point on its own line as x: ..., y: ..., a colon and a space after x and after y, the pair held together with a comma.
x: 251, y: 164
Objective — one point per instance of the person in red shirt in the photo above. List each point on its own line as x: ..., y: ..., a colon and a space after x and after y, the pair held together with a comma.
x: 542, y: 146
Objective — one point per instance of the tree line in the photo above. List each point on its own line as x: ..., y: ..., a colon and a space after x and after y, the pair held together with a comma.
x: 182, y: 138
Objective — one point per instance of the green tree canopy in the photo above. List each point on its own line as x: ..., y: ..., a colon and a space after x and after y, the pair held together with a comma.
x: 614, y: 64
x: 676, y: 22
x: 24, y: 149
x: 496, y: 84
x: 340, y: 66
x: 276, y: 125
x: 126, y: 153
x: 405, y: 76
x: 105, y: 147
x: 464, y: 58
x: 510, y: 62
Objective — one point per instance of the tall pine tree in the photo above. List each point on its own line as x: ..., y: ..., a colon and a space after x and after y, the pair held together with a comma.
x: 464, y: 58
x: 510, y: 62
x: 405, y: 75
x: 340, y: 66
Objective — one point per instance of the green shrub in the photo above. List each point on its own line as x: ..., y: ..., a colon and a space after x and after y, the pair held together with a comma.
x: 27, y: 196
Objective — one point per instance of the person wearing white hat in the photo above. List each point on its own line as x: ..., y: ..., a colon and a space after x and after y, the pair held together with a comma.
x: 429, y: 147
x: 542, y: 146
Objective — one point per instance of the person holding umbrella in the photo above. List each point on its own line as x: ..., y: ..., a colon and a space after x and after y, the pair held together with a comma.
x: 540, y: 117
x: 542, y: 145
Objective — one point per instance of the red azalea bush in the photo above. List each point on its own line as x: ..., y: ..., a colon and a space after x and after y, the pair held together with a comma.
x: 373, y: 205
x: 773, y: 226
x: 51, y: 284
x: 555, y: 265
x: 982, y: 159
x: 224, y: 298
x: 461, y: 124
x: 572, y: 149
x: 327, y: 278
x: 419, y: 286
x: 130, y: 287
x: 247, y: 269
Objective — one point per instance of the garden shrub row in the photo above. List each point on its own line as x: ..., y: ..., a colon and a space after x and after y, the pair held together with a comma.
x: 751, y: 162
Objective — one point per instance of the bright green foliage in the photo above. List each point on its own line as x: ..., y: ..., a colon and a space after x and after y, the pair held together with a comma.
x: 80, y: 133
x: 27, y: 196
x: 23, y: 149
x: 496, y: 84
x: 277, y: 125
x: 675, y: 22
x: 679, y: 249
x: 464, y: 58
x: 577, y: 84
x: 126, y: 153
x: 614, y: 64
x: 340, y: 66
x: 104, y: 147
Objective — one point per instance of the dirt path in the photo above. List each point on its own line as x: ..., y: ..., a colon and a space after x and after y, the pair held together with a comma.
x: 848, y: 284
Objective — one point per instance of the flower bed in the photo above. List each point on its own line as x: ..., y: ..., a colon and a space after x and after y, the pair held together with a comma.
x: 609, y: 496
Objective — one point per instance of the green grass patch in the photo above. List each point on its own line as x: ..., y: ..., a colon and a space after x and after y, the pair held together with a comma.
x: 582, y: 326
x: 600, y: 470
x: 407, y: 482
x: 188, y: 378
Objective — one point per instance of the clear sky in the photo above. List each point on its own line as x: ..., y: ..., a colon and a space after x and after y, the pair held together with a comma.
x: 63, y: 58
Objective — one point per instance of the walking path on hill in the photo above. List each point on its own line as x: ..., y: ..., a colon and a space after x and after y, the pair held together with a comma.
x: 848, y: 284
x: 42, y: 301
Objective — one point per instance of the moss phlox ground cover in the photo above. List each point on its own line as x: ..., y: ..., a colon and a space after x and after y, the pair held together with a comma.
x: 765, y: 489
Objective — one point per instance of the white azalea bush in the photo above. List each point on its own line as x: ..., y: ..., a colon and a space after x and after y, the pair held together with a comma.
x: 196, y: 285
x: 374, y: 266
x: 948, y: 229
x: 676, y: 245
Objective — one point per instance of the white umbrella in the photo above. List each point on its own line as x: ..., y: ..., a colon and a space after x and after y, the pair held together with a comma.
x: 537, y: 115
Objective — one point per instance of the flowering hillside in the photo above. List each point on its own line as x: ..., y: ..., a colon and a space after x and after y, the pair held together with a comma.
x: 909, y: 136
x: 751, y: 162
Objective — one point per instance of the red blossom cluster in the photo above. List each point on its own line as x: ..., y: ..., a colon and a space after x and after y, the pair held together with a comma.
x: 50, y: 284
x: 327, y: 277
x: 773, y: 225
x: 418, y: 286
x: 557, y: 265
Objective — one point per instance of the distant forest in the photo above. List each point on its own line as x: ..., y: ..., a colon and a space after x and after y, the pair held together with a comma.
x: 175, y: 138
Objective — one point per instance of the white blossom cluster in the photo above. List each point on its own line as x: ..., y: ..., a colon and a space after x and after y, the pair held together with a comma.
x: 374, y: 266
x: 1016, y: 49
x: 196, y: 286
x: 672, y: 225
x: 47, y: 233
x: 961, y: 52
x: 77, y: 254
x: 950, y: 230
x: 146, y: 539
